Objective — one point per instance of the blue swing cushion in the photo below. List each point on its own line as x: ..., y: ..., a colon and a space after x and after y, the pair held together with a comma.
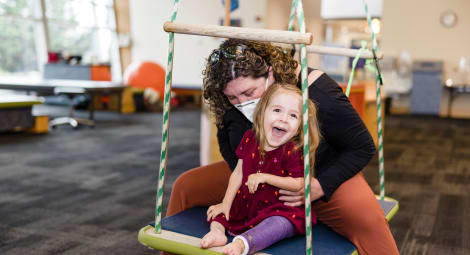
x: 192, y: 222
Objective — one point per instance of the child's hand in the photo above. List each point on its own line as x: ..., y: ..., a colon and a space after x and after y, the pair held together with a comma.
x: 253, y: 181
x: 217, y: 209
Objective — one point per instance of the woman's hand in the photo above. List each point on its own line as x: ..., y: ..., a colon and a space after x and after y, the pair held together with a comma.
x: 217, y: 209
x: 253, y: 181
x: 296, y: 198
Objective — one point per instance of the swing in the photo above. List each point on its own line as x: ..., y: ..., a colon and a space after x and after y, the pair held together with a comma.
x: 182, y: 232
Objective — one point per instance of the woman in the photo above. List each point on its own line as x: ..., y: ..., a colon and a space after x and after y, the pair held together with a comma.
x: 236, y: 76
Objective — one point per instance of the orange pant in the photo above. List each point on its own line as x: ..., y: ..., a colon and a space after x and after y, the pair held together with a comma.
x: 352, y: 210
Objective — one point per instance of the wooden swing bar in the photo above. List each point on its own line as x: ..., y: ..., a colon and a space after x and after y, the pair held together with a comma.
x: 254, y: 34
x: 326, y: 50
x: 342, y: 52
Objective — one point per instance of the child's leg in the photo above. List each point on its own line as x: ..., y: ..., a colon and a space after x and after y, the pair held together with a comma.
x: 266, y: 233
x: 215, y: 237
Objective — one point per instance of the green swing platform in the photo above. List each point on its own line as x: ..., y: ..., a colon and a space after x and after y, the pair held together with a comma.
x: 182, y: 234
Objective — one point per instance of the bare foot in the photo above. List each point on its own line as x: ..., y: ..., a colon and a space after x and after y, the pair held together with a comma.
x: 234, y: 248
x: 215, y: 237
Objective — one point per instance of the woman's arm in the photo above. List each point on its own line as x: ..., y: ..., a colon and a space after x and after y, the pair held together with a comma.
x: 348, y: 145
x: 286, y: 183
x: 233, y: 185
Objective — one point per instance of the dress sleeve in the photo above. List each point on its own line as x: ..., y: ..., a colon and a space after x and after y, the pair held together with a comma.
x: 344, y: 131
x: 294, y: 164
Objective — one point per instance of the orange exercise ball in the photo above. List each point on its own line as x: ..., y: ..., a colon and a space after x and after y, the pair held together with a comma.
x: 145, y: 75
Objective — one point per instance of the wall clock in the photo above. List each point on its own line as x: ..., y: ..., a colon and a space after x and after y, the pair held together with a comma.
x: 448, y: 19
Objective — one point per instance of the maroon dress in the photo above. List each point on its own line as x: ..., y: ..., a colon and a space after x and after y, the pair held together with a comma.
x: 250, y: 209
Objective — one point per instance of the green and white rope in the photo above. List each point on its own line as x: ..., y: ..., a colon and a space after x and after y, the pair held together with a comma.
x: 292, y: 15
x: 353, y: 68
x: 298, y: 8
x: 165, y: 125
x: 379, y: 108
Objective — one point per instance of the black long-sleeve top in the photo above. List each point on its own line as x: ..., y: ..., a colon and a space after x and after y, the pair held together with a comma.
x: 346, y: 145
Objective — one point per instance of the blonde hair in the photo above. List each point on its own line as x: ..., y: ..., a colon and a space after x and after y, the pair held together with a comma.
x: 313, y: 129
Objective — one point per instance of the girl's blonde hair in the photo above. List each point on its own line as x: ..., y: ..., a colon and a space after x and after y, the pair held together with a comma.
x: 313, y: 129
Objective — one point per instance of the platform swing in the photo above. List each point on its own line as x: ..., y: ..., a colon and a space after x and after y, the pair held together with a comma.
x: 181, y: 233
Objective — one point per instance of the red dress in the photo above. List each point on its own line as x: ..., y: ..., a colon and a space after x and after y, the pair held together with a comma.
x: 250, y: 209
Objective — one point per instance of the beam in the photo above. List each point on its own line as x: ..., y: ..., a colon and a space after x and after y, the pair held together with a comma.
x: 342, y: 51
x: 325, y: 50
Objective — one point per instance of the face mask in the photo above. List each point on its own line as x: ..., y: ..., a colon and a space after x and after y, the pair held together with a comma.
x: 248, y: 107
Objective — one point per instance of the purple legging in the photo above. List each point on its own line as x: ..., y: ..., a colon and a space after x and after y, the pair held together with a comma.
x: 266, y: 233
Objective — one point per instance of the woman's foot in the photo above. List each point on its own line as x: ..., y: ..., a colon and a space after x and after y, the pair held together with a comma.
x: 215, y: 237
x: 234, y: 248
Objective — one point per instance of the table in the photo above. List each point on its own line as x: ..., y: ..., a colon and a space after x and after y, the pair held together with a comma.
x: 47, y: 86
x: 453, y: 91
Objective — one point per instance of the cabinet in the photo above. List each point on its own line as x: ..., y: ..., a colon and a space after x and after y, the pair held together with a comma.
x: 77, y: 72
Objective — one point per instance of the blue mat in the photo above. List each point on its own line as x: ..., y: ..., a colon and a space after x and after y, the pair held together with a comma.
x: 325, y: 241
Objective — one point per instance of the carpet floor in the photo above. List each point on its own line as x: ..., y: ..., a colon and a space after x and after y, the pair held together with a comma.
x: 89, y: 191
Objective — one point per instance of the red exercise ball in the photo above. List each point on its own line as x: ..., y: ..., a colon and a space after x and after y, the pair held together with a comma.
x: 146, y: 75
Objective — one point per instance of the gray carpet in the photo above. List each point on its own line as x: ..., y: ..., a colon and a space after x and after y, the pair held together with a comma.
x: 427, y: 162
x: 89, y: 191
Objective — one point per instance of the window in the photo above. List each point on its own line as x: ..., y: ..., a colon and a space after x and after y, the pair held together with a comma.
x: 76, y: 27
x: 83, y: 27
x: 20, y: 30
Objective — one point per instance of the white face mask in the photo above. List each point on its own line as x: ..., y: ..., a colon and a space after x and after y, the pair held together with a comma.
x: 248, y: 107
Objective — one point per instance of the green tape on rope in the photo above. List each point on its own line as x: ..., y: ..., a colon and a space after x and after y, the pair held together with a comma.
x: 165, y: 135
x: 162, y: 157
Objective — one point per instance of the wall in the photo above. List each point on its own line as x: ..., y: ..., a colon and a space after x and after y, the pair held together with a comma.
x: 415, y: 26
x: 150, y: 42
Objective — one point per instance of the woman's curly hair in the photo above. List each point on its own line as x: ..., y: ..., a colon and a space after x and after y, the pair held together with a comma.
x: 250, y: 59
